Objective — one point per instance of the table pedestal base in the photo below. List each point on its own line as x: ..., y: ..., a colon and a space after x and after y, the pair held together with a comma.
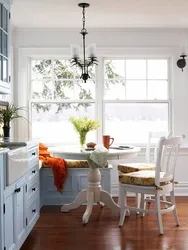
x: 93, y: 194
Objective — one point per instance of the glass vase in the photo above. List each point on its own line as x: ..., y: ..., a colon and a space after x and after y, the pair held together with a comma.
x: 82, y: 139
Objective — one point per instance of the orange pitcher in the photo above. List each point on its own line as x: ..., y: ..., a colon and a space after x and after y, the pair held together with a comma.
x: 107, y: 141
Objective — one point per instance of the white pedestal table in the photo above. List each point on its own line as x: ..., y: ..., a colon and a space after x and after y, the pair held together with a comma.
x: 93, y: 193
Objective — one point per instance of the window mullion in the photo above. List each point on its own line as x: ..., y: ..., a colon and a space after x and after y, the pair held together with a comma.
x: 99, y: 88
x: 125, y: 79
x: 146, y: 79
x: 53, y: 79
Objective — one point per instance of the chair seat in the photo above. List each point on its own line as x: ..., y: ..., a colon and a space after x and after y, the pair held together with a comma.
x: 134, y: 167
x: 142, y: 178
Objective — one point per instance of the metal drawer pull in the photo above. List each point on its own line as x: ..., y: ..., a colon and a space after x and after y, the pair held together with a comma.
x: 33, y: 172
x: 33, y: 189
x: 34, y: 210
x: 17, y: 190
x: 33, y: 153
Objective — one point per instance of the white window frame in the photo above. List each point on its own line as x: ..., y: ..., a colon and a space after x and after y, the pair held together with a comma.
x: 167, y: 101
x: 23, y: 77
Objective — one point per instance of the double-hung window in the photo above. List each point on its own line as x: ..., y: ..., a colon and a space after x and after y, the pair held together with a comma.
x: 57, y: 92
x: 136, y: 98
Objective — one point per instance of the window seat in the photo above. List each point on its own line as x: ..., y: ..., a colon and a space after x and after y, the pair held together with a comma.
x: 76, y: 181
x: 74, y: 164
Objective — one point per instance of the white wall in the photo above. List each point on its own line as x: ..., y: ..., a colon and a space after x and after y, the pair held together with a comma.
x: 165, y: 42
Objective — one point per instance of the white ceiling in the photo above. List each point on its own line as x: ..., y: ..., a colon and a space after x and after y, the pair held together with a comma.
x: 100, y: 14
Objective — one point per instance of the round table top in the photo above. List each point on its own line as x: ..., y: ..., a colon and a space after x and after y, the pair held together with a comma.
x: 72, y: 152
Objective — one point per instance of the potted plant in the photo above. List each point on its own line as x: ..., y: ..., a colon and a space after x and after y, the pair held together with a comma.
x: 83, y: 125
x: 7, y: 114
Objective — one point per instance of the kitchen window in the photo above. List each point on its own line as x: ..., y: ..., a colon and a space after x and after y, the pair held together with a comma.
x: 136, y: 98
x: 56, y: 94
x: 132, y: 99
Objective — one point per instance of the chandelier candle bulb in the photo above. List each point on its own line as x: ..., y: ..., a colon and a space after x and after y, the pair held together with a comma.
x: 92, y: 50
x: 75, y: 51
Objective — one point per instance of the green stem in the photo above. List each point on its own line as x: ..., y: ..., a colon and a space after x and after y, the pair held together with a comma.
x: 83, y: 138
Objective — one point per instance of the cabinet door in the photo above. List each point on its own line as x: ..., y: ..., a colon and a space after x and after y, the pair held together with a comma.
x: 9, y: 228
x: 19, y: 212
x: 14, y: 215
x: 4, y: 47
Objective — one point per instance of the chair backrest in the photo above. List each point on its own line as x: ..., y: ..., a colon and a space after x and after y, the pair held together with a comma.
x: 166, y: 159
x: 153, y: 138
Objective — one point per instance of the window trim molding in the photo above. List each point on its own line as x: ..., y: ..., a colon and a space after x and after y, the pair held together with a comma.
x: 23, y: 78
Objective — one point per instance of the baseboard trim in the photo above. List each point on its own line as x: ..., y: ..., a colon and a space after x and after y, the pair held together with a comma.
x: 181, y: 189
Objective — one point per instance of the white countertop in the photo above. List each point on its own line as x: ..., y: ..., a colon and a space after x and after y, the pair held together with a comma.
x: 3, y: 150
x: 18, y: 142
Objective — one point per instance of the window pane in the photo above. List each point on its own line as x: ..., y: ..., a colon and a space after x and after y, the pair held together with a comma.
x: 50, y: 122
x: 157, y: 90
x: 1, y: 7
x: 41, y: 69
x: 84, y: 90
x: 1, y: 68
x: 114, y: 69
x: 63, y: 69
x: 131, y: 122
x: 42, y: 90
x: 5, y: 70
x: 5, y: 44
x: 1, y: 43
x: 135, y: 90
x: 157, y: 69
x: 63, y: 90
x: 114, y: 90
x: 135, y: 69
x: 5, y: 19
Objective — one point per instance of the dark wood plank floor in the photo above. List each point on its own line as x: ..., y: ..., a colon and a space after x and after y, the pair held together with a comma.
x: 64, y: 231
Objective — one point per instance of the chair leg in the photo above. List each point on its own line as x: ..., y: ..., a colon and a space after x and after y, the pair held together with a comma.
x: 164, y: 199
x: 148, y: 197
x: 138, y: 199
x: 158, y: 210
x: 123, y: 202
x: 142, y: 204
x: 118, y: 202
x: 175, y: 210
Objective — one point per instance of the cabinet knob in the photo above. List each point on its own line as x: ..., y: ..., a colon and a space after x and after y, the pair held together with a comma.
x: 33, y: 172
x: 33, y: 189
x: 33, y: 153
x: 34, y: 210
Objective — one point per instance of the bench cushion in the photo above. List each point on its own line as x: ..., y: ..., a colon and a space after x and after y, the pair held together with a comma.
x: 134, y: 167
x: 75, y: 164
x: 142, y: 178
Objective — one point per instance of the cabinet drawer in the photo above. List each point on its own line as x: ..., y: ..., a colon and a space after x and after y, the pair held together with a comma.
x: 33, y: 188
x: 33, y: 210
x: 33, y: 156
x: 33, y: 172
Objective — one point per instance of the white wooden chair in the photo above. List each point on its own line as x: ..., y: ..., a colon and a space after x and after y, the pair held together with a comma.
x: 150, y: 162
x: 157, y: 183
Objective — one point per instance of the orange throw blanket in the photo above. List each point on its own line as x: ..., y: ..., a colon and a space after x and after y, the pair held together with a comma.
x: 58, y: 165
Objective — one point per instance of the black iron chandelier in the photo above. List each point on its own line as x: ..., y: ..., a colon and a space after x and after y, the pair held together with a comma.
x: 92, y: 59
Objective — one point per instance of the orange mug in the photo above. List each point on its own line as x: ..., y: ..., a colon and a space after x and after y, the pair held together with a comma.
x: 107, y: 141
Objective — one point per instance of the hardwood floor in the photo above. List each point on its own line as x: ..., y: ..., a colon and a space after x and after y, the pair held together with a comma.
x: 64, y: 231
